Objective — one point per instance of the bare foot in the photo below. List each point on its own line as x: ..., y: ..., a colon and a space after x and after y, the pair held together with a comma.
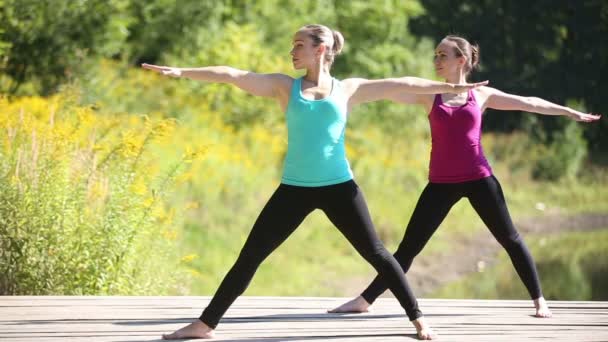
x: 423, y: 330
x: 196, y: 329
x: 357, y: 305
x: 542, y: 309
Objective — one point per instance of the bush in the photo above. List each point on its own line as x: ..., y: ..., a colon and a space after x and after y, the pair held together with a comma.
x: 563, y: 157
x: 83, y: 203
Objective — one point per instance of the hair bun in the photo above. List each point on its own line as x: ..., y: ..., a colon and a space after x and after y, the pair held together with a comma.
x: 474, y: 55
x: 338, y: 42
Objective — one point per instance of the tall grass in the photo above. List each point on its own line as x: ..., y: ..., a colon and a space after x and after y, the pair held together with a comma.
x: 147, y: 186
x: 83, y: 202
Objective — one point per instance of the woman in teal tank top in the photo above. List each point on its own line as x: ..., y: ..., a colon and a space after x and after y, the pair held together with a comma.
x: 316, y: 154
x: 316, y: 173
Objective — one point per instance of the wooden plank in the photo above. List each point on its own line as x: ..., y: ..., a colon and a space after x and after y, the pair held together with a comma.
x: 79, y: 318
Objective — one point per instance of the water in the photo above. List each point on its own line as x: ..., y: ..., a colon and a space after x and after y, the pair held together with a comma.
x: 571, y: 266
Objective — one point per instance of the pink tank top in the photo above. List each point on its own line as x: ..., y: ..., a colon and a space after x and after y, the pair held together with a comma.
x: 456, y: 152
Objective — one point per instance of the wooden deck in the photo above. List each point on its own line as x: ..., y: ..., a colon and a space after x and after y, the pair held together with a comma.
x: 293, y: 319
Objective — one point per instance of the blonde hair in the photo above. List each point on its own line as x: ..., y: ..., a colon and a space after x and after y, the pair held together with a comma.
x: 320, y: 34
x: 466, y: 49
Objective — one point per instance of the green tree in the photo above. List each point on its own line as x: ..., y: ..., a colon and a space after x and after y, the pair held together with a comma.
x: 544, y: 48
x: 157, y: 27
x: 49, y: 39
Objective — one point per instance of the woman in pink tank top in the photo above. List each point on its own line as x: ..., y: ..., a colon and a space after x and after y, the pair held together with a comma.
x: 458, y: 168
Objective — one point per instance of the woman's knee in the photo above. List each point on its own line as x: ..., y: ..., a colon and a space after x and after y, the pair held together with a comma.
x: 511, y: 241
x: 251, y: 258
x: 378, y: 255
x: 406, y: 251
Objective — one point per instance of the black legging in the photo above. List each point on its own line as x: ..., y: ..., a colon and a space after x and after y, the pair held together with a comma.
x: 435, y: 202
x: 345, y: 206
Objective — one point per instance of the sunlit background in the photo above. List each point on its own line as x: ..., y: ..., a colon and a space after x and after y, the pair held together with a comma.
x: 114, y: 180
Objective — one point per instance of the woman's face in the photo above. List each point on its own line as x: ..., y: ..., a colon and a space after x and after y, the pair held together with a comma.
x: 446, y: 62
x: 303, y: 54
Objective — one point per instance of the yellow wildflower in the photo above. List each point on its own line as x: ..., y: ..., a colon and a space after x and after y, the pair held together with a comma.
x: 192, y: 205
x: 194, y: 272
x: 131, y: 145
x: 189, y: 257
x: 148, y: 202
x: 184, y: 177
x: 170, y: 235
x: 139, y: 186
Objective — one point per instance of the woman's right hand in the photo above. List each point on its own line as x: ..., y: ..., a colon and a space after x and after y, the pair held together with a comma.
x: 165, y: 70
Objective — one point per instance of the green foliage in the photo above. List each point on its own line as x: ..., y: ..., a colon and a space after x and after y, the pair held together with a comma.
x: 240, y: 46
x: 100, y: 234
x: 43, y: 43
x: 556, y: 58
x: 564, y: 156
x: 191, y: 33
x: 97, y: 46
x: 78, y: 215
x: 158, y: 27
x: 48, y: 39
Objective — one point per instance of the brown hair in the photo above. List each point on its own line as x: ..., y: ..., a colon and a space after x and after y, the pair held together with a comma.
x: 466, y: 49
x: 333, y: 40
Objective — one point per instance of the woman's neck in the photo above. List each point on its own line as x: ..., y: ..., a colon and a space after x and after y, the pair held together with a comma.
x: 318, y: 75
x: 460, y: 78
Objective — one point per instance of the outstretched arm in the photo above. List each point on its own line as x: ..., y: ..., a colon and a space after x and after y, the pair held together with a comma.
x: 504, y: 101
x: 364, y: 90
x: 267, y: 85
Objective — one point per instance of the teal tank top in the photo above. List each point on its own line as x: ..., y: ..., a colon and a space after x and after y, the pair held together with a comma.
x: 315, y: 145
